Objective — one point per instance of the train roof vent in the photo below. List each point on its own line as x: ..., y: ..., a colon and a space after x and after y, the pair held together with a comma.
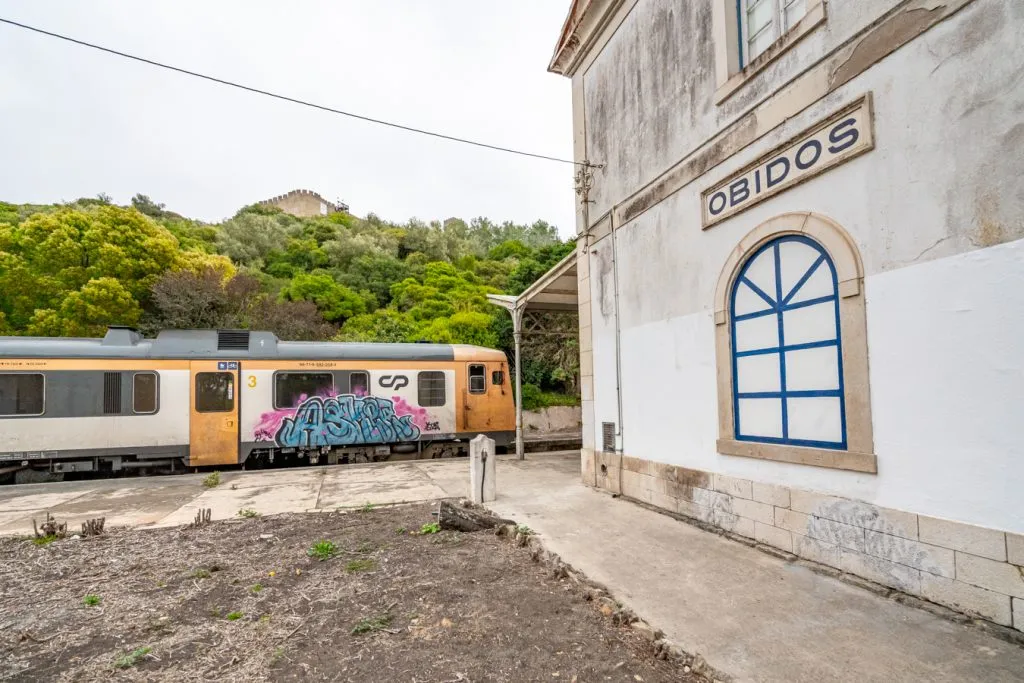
x: 118, y: 335
x: 232, y: 340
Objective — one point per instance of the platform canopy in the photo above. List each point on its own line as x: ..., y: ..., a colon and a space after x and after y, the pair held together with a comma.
x: 555, y: 293
x: 556, y: 290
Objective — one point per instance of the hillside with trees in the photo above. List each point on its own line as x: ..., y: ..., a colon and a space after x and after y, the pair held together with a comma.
x: 73, y: 269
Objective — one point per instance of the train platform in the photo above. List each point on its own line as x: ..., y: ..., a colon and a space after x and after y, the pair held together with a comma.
x: 752, y: 616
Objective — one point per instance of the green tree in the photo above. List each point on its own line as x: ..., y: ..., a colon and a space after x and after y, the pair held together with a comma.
x: 50, y: 256
x: 249, y: 237
x: 335, y: 301
x: 383, y: 325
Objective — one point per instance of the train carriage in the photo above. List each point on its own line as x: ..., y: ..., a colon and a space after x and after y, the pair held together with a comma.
x: 191, y: 398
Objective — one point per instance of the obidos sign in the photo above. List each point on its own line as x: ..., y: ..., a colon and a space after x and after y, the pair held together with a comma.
x: 841, y: 137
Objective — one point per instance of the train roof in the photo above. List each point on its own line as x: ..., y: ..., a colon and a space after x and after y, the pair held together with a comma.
x: 123, y: 342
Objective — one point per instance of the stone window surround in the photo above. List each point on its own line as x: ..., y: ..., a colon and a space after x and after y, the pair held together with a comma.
x: 859, y: 456
x: 729, y: 77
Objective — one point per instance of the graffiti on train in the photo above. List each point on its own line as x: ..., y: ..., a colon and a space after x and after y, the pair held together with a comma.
x: 338, y: 421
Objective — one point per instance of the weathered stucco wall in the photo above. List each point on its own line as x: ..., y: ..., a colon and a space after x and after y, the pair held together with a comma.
x: 936, y: 211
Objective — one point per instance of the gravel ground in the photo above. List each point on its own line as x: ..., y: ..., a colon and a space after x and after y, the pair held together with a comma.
x: 243, y: 600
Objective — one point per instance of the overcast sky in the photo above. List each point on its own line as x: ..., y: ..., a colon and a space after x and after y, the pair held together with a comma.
x: 75, y: 122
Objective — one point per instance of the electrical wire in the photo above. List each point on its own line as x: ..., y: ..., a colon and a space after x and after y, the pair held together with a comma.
x: 293, y: 100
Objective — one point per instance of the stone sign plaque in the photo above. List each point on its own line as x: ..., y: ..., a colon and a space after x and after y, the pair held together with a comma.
x: 839, y: 138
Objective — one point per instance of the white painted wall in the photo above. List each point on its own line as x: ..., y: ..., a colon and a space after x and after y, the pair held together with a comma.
x: 936, y: 211
x: 947, y: 393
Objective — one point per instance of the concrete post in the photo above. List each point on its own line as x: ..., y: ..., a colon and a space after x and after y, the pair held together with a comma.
x: 482, y: 485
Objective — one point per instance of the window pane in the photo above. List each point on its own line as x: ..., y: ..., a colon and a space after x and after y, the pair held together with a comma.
x: 215, y: 392
x: 815, y: 419
x: 761, y: 42
x: 759, y: 15
x: 144, y: 392
x: 760, y: 417
x: 761, y: 272
x: 757, y: 333
x: 749, y: 301
x: 477, y: 380
x: 795, y: 260
x: 431, y: 389
x: 359, y: 384
x: 21, y: 394
x: 794, y: 11
x: 292, y: 388
x: 810, y: 323
x: 497, y: 378
x: 812, y: 369
x: 758, y: 373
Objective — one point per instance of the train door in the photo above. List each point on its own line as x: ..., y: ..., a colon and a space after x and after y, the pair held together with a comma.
x: 482, y: 397
x: 214, y: 421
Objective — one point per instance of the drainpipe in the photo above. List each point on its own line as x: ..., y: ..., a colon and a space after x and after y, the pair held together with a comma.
x: 517, y: 334
x: 618, y: 342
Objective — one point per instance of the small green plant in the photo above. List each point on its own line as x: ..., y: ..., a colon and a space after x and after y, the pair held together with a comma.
x: 215, y: 612
x: 367, y: 508
x: 248, y: 513
x: 370, y: 624
x: 430, y: 528
x: 277, y: 656
x: 363, y: 564
x: 264, y: 620
x: 91, y: 600
x: 234, y: 616
x: 45, y: 540
x: 200, y: 573
x: 212, y: 480
x: 256, y: 588
x: 524, y: 530
x: 132, y: 658
x: 323, y: 550
x: 400, y: 530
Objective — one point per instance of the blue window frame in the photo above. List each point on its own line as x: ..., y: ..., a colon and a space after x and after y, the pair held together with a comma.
x: 787, y: 365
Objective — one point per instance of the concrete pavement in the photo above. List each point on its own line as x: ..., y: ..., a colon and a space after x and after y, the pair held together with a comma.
x: 751, y: 615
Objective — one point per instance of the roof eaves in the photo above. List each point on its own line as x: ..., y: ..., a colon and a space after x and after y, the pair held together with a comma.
x: 584, y: 23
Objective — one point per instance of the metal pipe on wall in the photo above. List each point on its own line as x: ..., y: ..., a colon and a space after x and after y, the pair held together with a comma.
x: 620, y: 446
x: 517, y: 334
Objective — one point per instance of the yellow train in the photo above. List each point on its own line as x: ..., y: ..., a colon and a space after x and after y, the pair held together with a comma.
x: 191, y: 398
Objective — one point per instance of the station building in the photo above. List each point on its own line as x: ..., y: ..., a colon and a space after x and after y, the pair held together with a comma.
x: 801, y: 278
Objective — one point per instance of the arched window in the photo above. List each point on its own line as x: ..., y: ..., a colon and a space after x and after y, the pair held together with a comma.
x: 787, y: 347
x: 791, y: 344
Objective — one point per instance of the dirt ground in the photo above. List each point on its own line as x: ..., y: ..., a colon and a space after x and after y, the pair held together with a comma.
x: 244, y: 600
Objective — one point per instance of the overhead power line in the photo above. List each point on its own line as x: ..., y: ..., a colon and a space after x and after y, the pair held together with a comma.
x: 293, y: 100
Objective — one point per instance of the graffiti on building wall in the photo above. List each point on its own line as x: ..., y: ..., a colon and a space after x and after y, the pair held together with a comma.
x: 342, y: 420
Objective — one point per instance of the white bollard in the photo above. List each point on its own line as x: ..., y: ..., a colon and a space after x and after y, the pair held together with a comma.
x: 482, y: 488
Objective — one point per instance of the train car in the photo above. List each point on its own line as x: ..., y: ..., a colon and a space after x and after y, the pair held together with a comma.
x: 196, y: 398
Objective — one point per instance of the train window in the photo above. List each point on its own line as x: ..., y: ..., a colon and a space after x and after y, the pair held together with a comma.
x: 359, y: 384
x: 144, y: 392
x: 215, y: 392
x: 21, y: 394
x: 430, y: 388
x: 498, y: 377
x: 477, y: 380
x: 292, y: 388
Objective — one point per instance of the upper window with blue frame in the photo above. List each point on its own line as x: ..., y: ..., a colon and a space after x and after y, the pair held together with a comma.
x: 787, y: 363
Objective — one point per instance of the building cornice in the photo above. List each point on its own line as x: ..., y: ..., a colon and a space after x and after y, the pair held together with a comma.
x: 586, y: 21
